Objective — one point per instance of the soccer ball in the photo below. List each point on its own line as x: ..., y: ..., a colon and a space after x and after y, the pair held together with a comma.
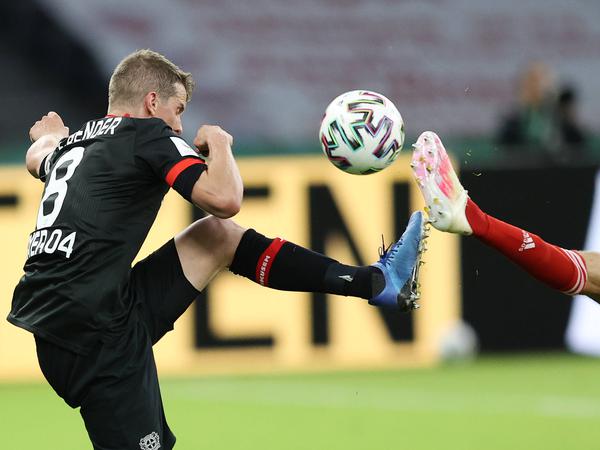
x: 362, y: 132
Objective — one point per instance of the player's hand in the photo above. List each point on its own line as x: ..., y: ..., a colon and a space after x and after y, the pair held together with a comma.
x: 209, y: 136
x: 50, y: 124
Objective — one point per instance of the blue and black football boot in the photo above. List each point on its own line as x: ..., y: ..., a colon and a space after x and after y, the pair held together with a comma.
x: 400, y: 265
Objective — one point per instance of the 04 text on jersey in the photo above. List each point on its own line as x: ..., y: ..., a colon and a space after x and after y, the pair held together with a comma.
x: 50, y: 241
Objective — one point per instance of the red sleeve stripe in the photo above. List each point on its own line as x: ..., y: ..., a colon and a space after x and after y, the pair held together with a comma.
x: 263, y: 268
x: 178, y: 168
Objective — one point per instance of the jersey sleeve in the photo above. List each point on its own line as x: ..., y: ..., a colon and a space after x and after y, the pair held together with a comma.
x: 168, y: 156
x: 47, y: 161
x: 44, y: 169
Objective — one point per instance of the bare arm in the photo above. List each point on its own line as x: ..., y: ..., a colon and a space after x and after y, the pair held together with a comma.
x: 219, y: 190
x: 45, y: 135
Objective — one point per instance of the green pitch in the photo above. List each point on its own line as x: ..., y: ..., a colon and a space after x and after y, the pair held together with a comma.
x: 526, y: 402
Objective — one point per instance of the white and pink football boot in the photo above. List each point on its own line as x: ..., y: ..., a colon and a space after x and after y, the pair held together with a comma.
x: 444, y: 196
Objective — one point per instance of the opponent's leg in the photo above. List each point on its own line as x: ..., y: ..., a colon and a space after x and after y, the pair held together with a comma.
x: 211, y: 244
x: 592, y: 285
x: 450, y: 209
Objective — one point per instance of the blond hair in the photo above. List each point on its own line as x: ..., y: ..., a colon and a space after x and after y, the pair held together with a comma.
x: 145, y: 71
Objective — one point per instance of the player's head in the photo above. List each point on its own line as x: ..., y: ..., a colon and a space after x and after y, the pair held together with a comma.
x: 146, y: 84
x: 537, y: 84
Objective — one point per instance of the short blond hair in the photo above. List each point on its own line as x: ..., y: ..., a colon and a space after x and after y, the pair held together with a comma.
x: 145, y: 71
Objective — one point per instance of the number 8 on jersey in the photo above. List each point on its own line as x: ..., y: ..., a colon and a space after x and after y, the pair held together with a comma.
x: 56, y: 189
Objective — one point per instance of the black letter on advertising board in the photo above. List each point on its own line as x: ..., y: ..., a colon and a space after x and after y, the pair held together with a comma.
x: 326, y: 220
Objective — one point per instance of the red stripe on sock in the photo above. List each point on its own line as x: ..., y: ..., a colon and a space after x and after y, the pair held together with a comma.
x: 578, y: 285
x: 265, y: 262
x: 583, y: 267
x: 582, y: 272
x: 560, y: 269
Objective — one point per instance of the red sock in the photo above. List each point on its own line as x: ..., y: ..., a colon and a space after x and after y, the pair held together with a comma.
x: 560, y: 269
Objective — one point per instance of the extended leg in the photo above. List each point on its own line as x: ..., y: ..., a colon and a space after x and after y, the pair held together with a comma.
x: 561, y: 269
x: 211, y: 245
x: 450, y: 209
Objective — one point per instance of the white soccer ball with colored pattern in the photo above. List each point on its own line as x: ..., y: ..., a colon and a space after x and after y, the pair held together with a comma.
x: 362, y: 132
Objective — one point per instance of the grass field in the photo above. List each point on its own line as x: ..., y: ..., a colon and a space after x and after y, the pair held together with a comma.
x: 525, y: 402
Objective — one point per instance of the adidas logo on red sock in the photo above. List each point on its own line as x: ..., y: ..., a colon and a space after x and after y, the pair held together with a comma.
x: 528, y: 242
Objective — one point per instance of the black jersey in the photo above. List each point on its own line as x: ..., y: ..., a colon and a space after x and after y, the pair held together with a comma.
x: 104, y: 186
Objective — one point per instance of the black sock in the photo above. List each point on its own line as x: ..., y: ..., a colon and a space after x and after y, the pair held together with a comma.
x: 356, y: 281
x: 286, y: 266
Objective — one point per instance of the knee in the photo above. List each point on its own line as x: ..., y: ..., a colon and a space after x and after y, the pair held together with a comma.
x: 218, y: 237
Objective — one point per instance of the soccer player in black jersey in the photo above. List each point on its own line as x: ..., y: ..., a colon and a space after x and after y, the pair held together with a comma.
x: 94, y: 317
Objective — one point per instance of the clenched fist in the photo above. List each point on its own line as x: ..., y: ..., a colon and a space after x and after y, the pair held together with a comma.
x: 50, y: 124
x: 208, y: 135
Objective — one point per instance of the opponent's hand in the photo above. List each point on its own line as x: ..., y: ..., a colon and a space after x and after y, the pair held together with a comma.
x: 50, y: 124
x: 209, y: 136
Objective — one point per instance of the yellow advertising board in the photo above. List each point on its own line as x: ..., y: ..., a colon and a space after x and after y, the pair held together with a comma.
x: 237, y: 325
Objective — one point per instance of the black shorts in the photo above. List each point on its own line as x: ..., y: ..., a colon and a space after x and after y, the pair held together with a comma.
x: 116, y: 384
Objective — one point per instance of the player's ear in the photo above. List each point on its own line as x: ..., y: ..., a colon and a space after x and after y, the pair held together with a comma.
x: 151, y: 103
